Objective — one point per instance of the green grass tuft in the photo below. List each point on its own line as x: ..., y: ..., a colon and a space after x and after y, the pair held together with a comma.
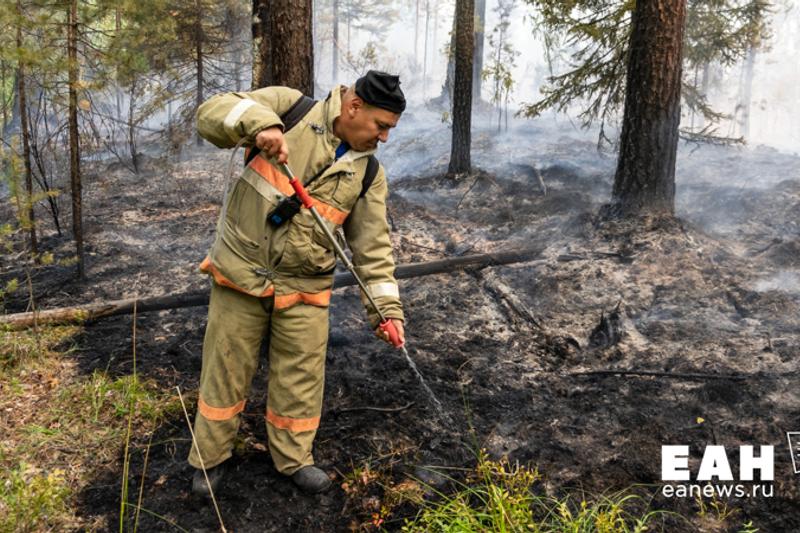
x: 500, y: 497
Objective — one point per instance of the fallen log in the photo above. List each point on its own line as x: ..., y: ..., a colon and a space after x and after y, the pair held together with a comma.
x: 89, y: 312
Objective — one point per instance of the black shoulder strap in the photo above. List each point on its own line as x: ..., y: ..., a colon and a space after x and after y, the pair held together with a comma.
x: 294, y: 114
x: 369, y: 175
x: 290, y: 118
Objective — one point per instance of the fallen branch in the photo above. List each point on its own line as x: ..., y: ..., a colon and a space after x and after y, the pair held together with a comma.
x: 564, y: 258
x: 378, y: 409
x: 670, y: 375
x: 515, y: 307
x: 85, y: 313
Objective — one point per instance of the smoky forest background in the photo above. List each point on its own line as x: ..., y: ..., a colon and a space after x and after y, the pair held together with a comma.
x: 594, y: 208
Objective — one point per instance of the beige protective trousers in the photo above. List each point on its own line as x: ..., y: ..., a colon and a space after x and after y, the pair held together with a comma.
x: 298, y: 336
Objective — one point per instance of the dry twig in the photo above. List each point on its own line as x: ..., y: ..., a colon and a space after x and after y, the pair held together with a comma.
x: 202, y: 464
x: 378, y: 409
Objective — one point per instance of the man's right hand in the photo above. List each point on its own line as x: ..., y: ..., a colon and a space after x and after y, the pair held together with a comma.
x: 271, y: 142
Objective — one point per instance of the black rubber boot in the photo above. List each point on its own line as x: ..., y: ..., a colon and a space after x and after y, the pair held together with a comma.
x: 311, y: 480
x: 215, y: 475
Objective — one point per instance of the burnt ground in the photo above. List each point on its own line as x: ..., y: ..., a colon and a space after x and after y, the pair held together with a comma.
x: 714, y: 292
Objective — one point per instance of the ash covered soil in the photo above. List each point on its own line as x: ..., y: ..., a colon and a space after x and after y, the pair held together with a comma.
x: 508, y: 350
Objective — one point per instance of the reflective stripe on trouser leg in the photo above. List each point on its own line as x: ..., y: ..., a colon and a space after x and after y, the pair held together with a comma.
x: 236, y: 326
x: 298, y: 340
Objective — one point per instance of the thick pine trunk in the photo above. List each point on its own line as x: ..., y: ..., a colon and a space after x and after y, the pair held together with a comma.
x: 74, y: 143
x: 292, y: 55
x: 645, y: 177
x: 462, y: 88
x: 480, y: 25
x: 26, y: 146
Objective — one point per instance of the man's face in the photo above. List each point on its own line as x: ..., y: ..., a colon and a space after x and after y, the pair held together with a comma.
x: 369, y: 125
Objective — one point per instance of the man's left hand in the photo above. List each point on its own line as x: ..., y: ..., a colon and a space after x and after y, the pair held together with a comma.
x: 398, y: 324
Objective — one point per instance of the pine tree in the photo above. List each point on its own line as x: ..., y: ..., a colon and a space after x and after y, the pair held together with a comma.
x: 597, y: 35
x: 502, y: 60
x: 645, y: 177
x: 462, y: 88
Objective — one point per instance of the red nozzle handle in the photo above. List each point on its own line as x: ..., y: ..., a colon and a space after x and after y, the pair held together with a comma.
x: 301, y: 193
x: 389, y: 327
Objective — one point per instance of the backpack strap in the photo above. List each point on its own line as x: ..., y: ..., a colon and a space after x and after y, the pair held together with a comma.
x: 369, y: 175
x: 294, y: 114
x: 290, y: 118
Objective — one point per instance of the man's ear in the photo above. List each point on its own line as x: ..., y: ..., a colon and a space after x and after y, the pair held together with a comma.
x: 356, y: 103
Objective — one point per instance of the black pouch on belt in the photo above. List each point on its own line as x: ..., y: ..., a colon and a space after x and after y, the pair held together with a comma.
x: 288, y: 208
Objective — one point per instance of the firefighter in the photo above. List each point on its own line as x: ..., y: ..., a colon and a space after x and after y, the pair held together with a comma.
x: 272, y: 269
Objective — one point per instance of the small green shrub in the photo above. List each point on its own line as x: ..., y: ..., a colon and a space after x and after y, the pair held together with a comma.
x: 32, y: 500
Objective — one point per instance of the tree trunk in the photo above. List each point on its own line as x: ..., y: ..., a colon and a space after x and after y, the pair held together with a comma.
x: 117, y: 90
x: 416, y: 35
x: 335, y: 51
x: 198, y: 45
x: 26, y: 145
x: 132, y: 129
x: 747, y: 91
x: 462, y: 88
x: 90, y: 312
x: 480, y: 24
x: 12, y: 125
x: 74, y: 141
x: 425, y: 51
x: 5, y: 96
x: 497, y: 80
x: 349, y: 23
x: 449, y: 80
x: 262, y: 52
x: 645, y: 177
x: 292, y: 57
x: 434, y: 40
x: 52, y: 199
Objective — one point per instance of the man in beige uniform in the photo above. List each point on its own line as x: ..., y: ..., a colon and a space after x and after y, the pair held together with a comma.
x: 273, y: 280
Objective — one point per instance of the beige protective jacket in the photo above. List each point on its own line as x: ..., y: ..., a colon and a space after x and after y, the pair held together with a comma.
x: 295, y: 261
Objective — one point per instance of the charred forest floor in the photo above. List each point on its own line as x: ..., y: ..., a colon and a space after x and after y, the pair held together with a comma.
x: 509, y: 350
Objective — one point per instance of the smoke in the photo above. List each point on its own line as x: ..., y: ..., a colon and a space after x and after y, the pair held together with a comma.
x: 775, y: 98
x: 784, y: 281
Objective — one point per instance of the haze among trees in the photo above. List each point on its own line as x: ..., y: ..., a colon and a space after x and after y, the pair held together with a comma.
x: 88, y: 80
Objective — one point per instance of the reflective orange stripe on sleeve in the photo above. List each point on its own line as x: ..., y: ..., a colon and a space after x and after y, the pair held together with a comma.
x: 322, y: 299
x: 219, y: 413
x: 208, y: 267
x: 292, y: 424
